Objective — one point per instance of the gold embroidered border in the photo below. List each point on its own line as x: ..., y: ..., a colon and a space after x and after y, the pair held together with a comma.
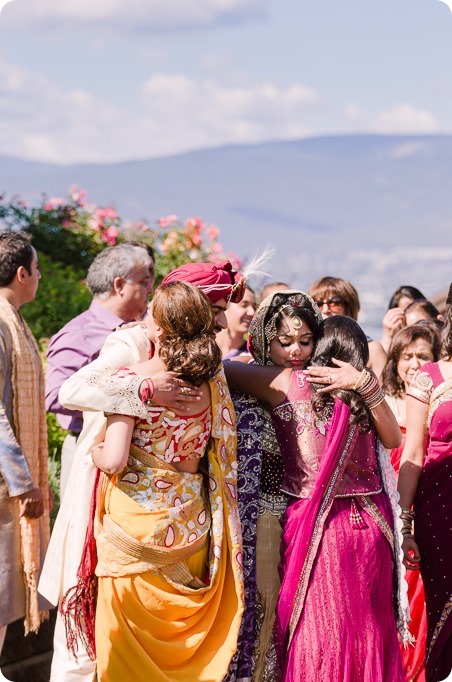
x: 150, y: 460
x: 371, y: 508
x: 325, y: 507
x: 440, y: 624
x: 158, y: 556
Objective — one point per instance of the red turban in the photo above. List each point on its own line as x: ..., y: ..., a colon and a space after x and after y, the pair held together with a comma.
x: 216, y: 281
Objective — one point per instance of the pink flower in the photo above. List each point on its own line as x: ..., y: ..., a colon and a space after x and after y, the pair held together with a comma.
x: 196, y: 239
x: 195, y: 223
x: 213, y: 232
x: 94, y: 223
x: 107, y: 213
x: 54, y: 202
x: 78, y: 196
x: 167, y: 220
x: 110, y: 235
x: 139, y: 226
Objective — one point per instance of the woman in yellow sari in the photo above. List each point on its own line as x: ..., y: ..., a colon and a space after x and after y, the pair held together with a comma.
x: 167, y: 530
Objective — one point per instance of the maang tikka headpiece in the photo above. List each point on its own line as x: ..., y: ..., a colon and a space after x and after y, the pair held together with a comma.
x: 260, y: 335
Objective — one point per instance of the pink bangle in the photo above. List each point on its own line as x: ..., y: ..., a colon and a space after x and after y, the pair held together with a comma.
x: 147, y: 391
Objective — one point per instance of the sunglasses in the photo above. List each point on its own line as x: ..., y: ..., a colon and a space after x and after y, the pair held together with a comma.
x: 333, y: 302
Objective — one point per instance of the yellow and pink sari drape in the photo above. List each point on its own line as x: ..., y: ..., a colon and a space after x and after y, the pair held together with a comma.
x: 170, y: 577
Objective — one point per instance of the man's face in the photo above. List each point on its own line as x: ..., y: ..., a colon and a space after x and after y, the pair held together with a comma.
x: 219, y: 310
x: 136, y: 290
x: 32, y: 279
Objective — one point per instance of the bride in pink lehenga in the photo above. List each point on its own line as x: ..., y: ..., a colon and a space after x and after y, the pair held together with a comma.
x: 335, y: 618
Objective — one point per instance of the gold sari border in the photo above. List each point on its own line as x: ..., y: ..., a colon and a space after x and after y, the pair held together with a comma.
x: 158, y: 556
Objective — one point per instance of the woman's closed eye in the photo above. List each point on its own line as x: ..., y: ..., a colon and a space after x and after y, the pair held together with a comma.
x: 286, y: 344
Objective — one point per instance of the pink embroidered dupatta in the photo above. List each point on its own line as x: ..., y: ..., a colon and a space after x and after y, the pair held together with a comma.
x: 303, y: 526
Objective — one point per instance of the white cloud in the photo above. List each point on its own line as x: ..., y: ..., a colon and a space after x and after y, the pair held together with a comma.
x: 176, y: 113
x: 205, y: 113
x: 399, y: 119
x: 3, y: 3
x: 405, y: 119
x: 353, y: 113
x: 135, y: 15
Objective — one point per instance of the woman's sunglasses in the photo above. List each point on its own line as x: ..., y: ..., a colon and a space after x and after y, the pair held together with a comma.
x: 333, y: 302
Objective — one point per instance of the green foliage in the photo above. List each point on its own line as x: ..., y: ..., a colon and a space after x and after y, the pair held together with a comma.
x: 56, y: 436
x: 67, y: 235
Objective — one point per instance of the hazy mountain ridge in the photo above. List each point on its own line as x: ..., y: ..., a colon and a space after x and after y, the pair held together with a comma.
x: 375, y: 209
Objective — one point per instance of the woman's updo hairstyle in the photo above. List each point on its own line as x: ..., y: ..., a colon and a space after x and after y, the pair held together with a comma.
x: 343, y: 339
x: 187, y: 345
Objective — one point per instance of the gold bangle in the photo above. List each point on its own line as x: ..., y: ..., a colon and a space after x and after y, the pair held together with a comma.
x: 360, y: 378
x: 407, y: 510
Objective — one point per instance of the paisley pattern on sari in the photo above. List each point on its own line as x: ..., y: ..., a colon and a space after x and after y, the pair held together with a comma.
x: 170, y: 560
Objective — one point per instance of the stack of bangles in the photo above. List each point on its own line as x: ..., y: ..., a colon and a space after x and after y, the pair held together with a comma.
x: 369, y: 389
x: 407, y: 517
x: 147, y: 390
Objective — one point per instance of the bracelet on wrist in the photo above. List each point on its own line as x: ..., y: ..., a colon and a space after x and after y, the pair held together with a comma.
x: 360, y: 380
x: 147, y: 390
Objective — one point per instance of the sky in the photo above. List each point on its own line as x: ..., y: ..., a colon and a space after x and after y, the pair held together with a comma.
x: 109, y: 80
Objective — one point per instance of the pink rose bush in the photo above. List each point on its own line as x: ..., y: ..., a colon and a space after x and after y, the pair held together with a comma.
x: 89, y: 228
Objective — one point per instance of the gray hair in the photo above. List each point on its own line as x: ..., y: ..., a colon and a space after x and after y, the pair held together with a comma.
x: 112, y: 262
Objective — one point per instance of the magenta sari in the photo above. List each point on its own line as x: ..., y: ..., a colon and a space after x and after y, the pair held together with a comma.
x: 335, y: 618
x: 433, y: 521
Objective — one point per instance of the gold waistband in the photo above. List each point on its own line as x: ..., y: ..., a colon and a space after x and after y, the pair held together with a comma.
x: 157, y: 556
x: 150, y: 460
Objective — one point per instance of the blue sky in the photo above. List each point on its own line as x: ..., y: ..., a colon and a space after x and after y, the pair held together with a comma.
x: 106, y: 80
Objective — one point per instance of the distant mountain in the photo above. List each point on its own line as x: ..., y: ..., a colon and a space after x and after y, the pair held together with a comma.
x: 375, y: 209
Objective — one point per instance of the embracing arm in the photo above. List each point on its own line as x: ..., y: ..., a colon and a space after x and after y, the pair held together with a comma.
x: 268, y: 384
x: 345, y: 377
x: 93, y: 388
x: 111, y: 455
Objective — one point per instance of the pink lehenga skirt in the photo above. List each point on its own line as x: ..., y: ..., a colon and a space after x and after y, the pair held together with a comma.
x: 347, y: 628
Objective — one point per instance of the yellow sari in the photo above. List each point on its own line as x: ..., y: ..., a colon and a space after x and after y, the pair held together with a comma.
x: 170, y: 576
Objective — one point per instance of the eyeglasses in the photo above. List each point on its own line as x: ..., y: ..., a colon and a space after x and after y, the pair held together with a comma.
x: 333, y: 302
